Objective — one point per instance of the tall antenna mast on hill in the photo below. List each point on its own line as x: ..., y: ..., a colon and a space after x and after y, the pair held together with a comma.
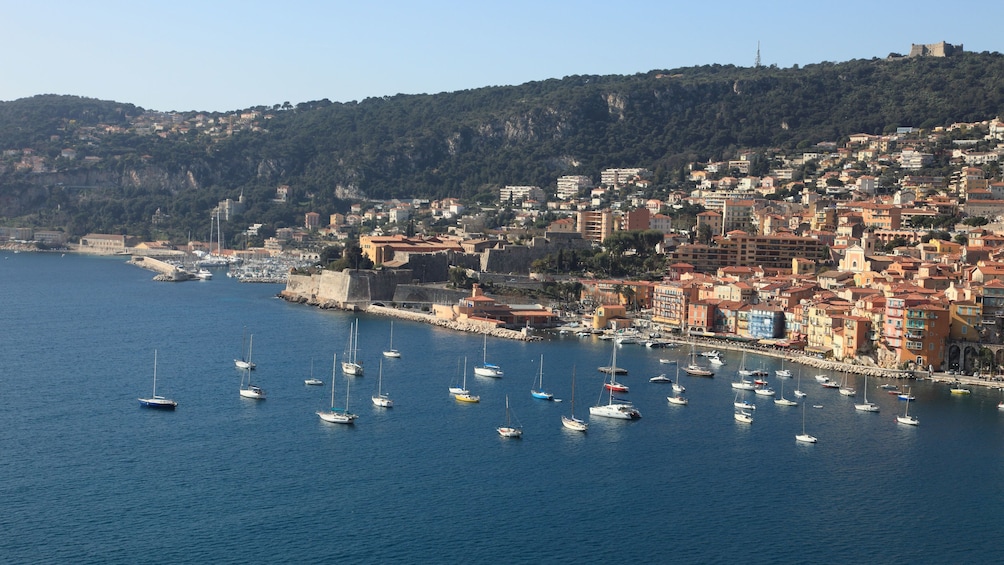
x: 756, y: 63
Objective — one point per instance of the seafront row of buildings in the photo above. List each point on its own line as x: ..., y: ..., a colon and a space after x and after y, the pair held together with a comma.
x: 877, y: 247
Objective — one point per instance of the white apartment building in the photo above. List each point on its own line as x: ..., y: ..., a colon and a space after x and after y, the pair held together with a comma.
x: 516, y: 194
x: 570, y: 186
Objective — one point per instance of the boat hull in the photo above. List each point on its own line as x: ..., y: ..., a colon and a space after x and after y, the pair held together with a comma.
x: 615, y: 411
x: 159, y: 403
x: 510, y: 432
x: 392, y: 354
x: 313, y: 382
x: 352, y: 369
x: 488, y: 372
x: 253, y: 393
x: 805, y: 438
x: 678, y: 400
x: 698, y: 372
x: 382, y: 400
x: 908, y: 420
x: 337, y: 417
x: 574, y: 424
x: 468, y: 398
x: 541, y: 395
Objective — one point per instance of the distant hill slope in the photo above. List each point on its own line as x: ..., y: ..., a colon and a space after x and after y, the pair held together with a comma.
x: 470, y: 142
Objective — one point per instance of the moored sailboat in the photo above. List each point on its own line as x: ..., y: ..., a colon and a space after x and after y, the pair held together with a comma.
x: 906, y: 418
x: 381, y: 398
x: 155, y: 401
x: 538, y: 391
x: 804, y: 437
x: 570, y: 421
x: 251, y: 391
x: 391, y: 352
x: 337, y: 415
x: 351, y: 365
x: 486, y: 369
x: 507, y: 429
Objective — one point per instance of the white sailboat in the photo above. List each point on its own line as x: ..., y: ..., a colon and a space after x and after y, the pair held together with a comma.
x: 337, y: 415
x: 245, y: 361
x: 507, y: 429
x: 844, y: 389
x: 391, y: 352
x: 783, y: 373
x: 251, y: 391
x: 743, y: 404
x: 351, y: 365
x: 380, y: 398
x: 782, y: 401
x: 743, y: 417
x: 570, y: 421
x: 906, y: 418
x: 460, y: 389
x: 867, y: 406
x: 487, y: 369
x: 798, y: 391
x: 617, y: 409
x: 312, y: 381
x: 804, y: 437
x: 465, y: 395
x: 155, y: 401
x: 677, y: 387
x: 539, y: 392
x: 679, y: 400
x: 743, y: 371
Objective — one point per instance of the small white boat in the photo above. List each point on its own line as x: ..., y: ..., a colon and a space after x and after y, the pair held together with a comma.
x: 743, y: 417
x: 351, y: 365
x: 846, y: 390
x: 743, y: 404
x: 764, y: 391
x: 667, y: 361
x: 906, y: 418
x: 337, y: 415
x: 312, y: 381
x: 716, y: 360
x: 798, y: 387
x: 391, y: 352
x: 782, y: 401
x: 866, y: 406
x: 743, y: 384
x: 203, y: 275
x: 381, y: 398
x: 486, y: 369
x: 571, y: 422
x: 712, y: 353
x: 661, y: 378
x: 678, y: 400
x: 251, y: 391
x: 804, y: 437
x: 822, y: 379
x: 507, y: 429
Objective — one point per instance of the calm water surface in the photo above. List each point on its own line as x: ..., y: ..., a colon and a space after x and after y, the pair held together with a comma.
x: 87, y: 476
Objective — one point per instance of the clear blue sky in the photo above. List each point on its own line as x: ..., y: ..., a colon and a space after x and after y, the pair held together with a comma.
x: 228, y: 55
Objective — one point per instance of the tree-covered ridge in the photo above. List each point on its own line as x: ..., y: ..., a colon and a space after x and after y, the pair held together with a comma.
x: 463, y: 144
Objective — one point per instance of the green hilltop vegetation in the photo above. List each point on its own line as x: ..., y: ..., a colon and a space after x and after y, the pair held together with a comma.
x: 130, y: 162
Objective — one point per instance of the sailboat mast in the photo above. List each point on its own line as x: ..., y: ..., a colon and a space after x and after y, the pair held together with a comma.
x: 334, y: 363
x: 155, y: 372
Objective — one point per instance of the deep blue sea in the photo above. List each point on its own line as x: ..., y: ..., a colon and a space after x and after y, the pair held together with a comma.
x: 88, y: 476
